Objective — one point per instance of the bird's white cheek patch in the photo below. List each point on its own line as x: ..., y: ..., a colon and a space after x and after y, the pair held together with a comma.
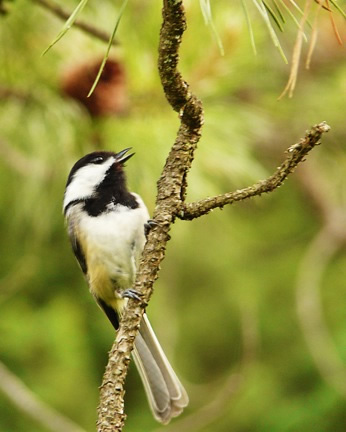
x: 85, y: 181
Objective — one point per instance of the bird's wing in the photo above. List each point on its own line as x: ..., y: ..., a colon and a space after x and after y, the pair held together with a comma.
x: 77, y: 248
x: 112, y: 315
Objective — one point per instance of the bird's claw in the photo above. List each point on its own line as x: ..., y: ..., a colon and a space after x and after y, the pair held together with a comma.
x: 132, y: 294
x: 149, y: 226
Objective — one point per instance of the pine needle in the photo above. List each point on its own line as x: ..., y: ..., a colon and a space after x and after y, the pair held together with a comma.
x: 68, y: 24
x: 296, y: 6
x: 273, y: 15
x: 249, y: 26
x: 278, y: 10
x: 334, y: 3
x: 313, y: 39
x: 335, y: 29
x: 208, y: 19
x: 324, y: 6
x: 297, y: 50
x: 293, y: 17
x: 312, y: 45
x: 105, y: 58
x: 262, y: 10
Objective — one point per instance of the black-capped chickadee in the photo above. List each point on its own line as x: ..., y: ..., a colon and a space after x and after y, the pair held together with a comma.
x: 106, y: 225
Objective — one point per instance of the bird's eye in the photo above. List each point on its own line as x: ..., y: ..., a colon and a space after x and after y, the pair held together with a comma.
x: 97, y: 160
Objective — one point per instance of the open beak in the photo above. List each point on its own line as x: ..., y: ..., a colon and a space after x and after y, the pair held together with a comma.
x: 122, y: 157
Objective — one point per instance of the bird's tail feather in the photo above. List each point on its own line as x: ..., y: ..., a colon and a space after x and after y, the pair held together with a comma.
x: 167, y: 397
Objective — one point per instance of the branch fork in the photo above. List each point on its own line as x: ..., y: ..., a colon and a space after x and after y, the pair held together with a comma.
x: 170, y: 203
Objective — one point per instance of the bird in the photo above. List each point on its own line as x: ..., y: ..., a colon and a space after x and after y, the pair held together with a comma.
x: 107, y: 226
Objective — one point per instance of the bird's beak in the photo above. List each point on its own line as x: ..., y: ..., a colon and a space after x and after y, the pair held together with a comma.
x: 122, y: 157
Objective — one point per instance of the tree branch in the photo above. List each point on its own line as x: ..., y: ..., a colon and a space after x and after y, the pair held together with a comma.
x: 172, y: 29
x: 85, y: 27
x: 295, y: 154
x: 170, y: 204
x: 176, y: 89
x: 169, y: 195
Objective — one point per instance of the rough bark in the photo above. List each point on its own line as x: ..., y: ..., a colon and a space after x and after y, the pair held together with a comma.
x: 294, y: 155
x: 171, y: 186
x: 170, y: 204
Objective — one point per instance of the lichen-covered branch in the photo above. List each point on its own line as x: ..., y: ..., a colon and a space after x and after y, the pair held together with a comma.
x: 170, y: 185
x: 173, y: 177
x: 170, y: 204
x: 295, y: 154
x: 172, y: 29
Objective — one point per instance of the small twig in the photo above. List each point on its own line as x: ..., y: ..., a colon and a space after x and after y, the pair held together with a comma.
x: 297, y: 50
x: 64, y: 15
x: 26, y: 401
x: 295, y: 155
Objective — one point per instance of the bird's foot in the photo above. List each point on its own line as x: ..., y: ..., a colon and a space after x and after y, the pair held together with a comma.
x: 149, y: 226
x: 132, y: 294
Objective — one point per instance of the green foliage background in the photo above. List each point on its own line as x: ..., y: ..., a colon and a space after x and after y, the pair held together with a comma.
x: 225, y: 306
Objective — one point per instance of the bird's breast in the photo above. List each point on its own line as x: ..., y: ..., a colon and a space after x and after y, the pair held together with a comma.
x: 112, y: 243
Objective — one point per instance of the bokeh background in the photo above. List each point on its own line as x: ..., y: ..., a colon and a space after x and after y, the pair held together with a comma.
x: 250, y: 303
